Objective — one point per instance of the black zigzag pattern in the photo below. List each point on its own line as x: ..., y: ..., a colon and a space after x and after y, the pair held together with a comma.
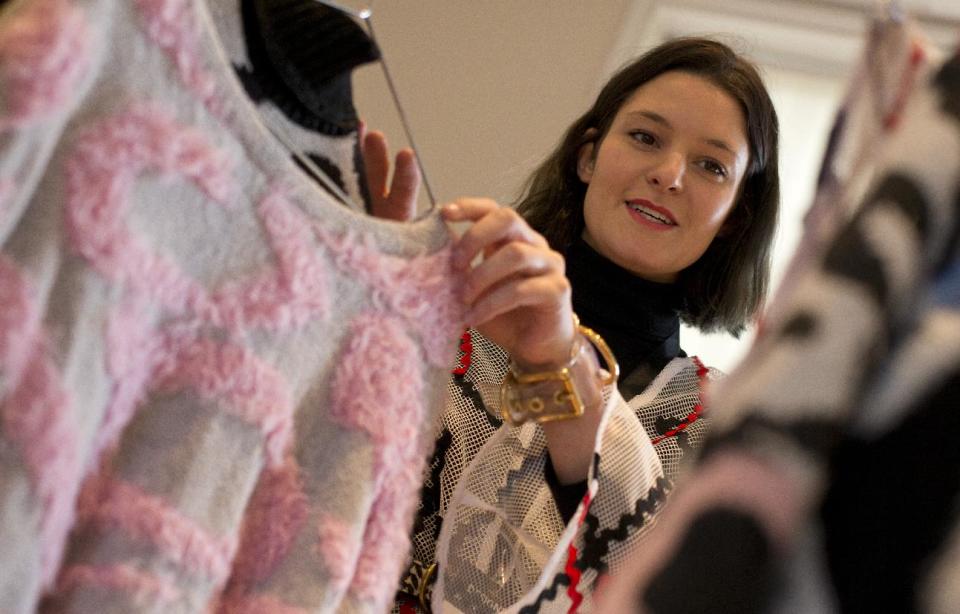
x: 547, y: 594
x: 430, y: 495
x: 664, y: 424
x: 470, y: 392
x: 596, y: 542
x: 561, y: 579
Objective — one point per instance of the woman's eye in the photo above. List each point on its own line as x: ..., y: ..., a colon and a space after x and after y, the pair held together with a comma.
x: 643, y: 137
x: 714, y: 168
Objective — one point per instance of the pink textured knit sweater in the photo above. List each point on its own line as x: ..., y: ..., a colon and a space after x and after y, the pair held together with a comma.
x: 217, y: 385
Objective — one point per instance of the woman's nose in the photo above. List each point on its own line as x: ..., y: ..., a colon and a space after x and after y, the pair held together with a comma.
x: 667, y: 173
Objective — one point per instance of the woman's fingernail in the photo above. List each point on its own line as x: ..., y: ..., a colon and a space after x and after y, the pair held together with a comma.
x: 451, y: 210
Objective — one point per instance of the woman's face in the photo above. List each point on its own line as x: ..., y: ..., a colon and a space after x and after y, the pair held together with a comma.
x: 665, y: 177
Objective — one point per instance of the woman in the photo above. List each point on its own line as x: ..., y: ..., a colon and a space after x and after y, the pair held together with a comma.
x: 658, y: 205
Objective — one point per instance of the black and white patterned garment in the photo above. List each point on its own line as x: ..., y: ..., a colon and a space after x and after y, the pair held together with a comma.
x: 831, y: 479
x: 295, y: 59
x: 505, y: 546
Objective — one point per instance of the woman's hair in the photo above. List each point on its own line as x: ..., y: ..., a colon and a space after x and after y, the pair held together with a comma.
x: 726, y: 286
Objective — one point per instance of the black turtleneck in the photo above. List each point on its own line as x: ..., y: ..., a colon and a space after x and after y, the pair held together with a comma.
x: 638, y: 319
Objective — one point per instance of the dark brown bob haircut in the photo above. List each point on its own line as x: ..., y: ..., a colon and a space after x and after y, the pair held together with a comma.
x: 725, y: 287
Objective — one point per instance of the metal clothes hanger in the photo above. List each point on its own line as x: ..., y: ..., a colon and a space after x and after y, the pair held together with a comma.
x: 364, y: 15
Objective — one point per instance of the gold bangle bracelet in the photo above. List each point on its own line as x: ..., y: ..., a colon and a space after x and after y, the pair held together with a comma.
x: 613, y: 367
x: 563, y: 393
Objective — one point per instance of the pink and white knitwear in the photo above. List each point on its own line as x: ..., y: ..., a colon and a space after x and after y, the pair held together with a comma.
x: 218, y: 386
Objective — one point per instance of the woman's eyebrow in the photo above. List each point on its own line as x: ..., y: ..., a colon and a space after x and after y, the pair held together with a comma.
x: 653, y: 116
x: 721, y: 145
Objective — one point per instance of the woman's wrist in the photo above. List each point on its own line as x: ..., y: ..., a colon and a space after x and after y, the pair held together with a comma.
x: 570, y: 445
x: 549, y: 356
x: 560, y: 391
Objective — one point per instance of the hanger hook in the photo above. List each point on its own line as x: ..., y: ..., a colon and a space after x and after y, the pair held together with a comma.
x: 365, y: 15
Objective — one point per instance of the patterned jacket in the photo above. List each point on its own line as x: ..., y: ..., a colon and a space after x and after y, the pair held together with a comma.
x: 488, y: 513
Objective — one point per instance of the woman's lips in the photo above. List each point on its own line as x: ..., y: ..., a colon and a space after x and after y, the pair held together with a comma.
x: 651, y: 215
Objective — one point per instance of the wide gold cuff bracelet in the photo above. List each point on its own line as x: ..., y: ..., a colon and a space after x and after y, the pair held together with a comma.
x: 561, y: 394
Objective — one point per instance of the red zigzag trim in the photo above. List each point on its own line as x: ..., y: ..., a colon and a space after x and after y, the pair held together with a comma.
x: 697, y: 409
x: 570, y: 568
x: 466, y: 346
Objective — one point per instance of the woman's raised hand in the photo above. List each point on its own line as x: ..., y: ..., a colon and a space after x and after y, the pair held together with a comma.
x: 515, y: 288
x: 517, y: 294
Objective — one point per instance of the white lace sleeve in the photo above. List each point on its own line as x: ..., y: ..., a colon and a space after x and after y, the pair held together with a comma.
x: 504, y: 546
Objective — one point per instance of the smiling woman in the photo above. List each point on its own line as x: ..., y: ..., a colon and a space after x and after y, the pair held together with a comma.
x: 664, y: 179
x: 724, y: 286
x: 659, y: 204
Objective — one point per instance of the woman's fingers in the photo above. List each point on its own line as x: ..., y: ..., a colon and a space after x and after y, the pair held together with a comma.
x: 529, y: 317
x: 405, y: 186
x: 518, y: 295
x: 400, y: 201
x: 544, y: 294
x: 376, y: 160
x: 468, y: 209
x: 494, y: 226
x: 513, y: 260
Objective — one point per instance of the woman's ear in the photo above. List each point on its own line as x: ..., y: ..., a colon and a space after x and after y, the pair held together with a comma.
x: 585, y: 162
